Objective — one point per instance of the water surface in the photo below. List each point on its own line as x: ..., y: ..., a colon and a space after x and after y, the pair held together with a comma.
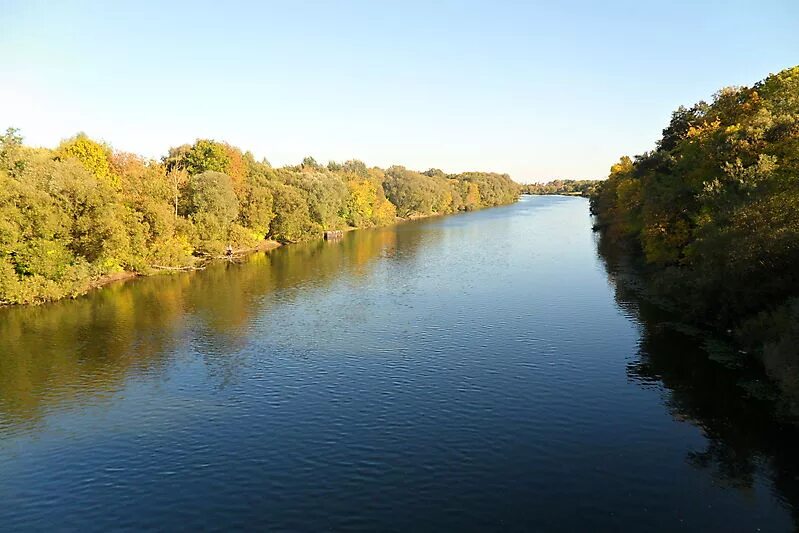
x: 484, y: 371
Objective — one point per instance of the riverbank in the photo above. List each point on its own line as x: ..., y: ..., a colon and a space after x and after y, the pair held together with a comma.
x: 119, y: 277
x: 265, y: 246
x: 202, y: 261
x: 582, y: 188
x: 572, y: 194
x: 380, y: 350
x: 76, y: 216
x: 717, y: 231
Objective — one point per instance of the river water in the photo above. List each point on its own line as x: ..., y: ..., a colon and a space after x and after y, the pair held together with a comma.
x: 483, y: 371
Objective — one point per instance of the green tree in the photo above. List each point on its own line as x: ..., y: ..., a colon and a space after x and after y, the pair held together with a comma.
x: 11, y: 159
x: 713, y: 211
x: 204, y: 155
x: 292, y: 222
x: 212, y: 205
x: 95, y: 157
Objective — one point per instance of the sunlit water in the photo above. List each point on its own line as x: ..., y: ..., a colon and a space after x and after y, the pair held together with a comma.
x: 479, y: 371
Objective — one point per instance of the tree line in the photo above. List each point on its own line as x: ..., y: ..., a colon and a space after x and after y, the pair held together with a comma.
x: 713, y: 212
x: 567, y: 187
x: 82, y: 211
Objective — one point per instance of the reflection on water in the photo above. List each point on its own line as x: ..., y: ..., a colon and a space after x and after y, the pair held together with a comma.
x: 745, y: 437
x: 81, y: 350
x: 471, y: 372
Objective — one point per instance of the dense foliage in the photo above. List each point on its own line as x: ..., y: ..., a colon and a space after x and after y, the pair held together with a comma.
x: 567, y: 187
x: 714, y: 212
x: 74, y: 215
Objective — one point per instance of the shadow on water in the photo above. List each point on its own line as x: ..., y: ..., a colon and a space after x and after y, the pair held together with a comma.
x: 501, y: 429
x: 79, y: 351
x: 734, y: 407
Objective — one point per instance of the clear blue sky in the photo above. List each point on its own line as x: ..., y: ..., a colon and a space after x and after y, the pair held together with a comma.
x: 535, y: 89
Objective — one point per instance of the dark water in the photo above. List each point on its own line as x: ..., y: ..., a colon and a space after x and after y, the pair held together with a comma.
x: 477, y: 372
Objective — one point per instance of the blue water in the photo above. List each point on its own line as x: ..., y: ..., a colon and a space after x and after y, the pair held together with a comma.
x: 481, y: 371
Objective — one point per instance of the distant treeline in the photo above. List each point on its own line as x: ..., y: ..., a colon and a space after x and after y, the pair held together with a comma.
x: 78, y: 213
x: 713, y: 211
x: 568, y: 187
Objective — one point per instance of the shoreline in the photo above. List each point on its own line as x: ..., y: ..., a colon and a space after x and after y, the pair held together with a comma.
x: 264, y: 246
x: 127, y: 275
x: 569, y: 194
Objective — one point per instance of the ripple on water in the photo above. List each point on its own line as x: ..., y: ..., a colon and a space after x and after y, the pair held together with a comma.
x: 469, y: 372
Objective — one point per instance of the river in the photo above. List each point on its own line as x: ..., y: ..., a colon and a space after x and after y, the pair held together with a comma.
x: 482, y: 371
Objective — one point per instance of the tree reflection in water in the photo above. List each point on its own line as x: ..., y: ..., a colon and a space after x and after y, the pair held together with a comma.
x: 748, y: 435
x: 79, y: 351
